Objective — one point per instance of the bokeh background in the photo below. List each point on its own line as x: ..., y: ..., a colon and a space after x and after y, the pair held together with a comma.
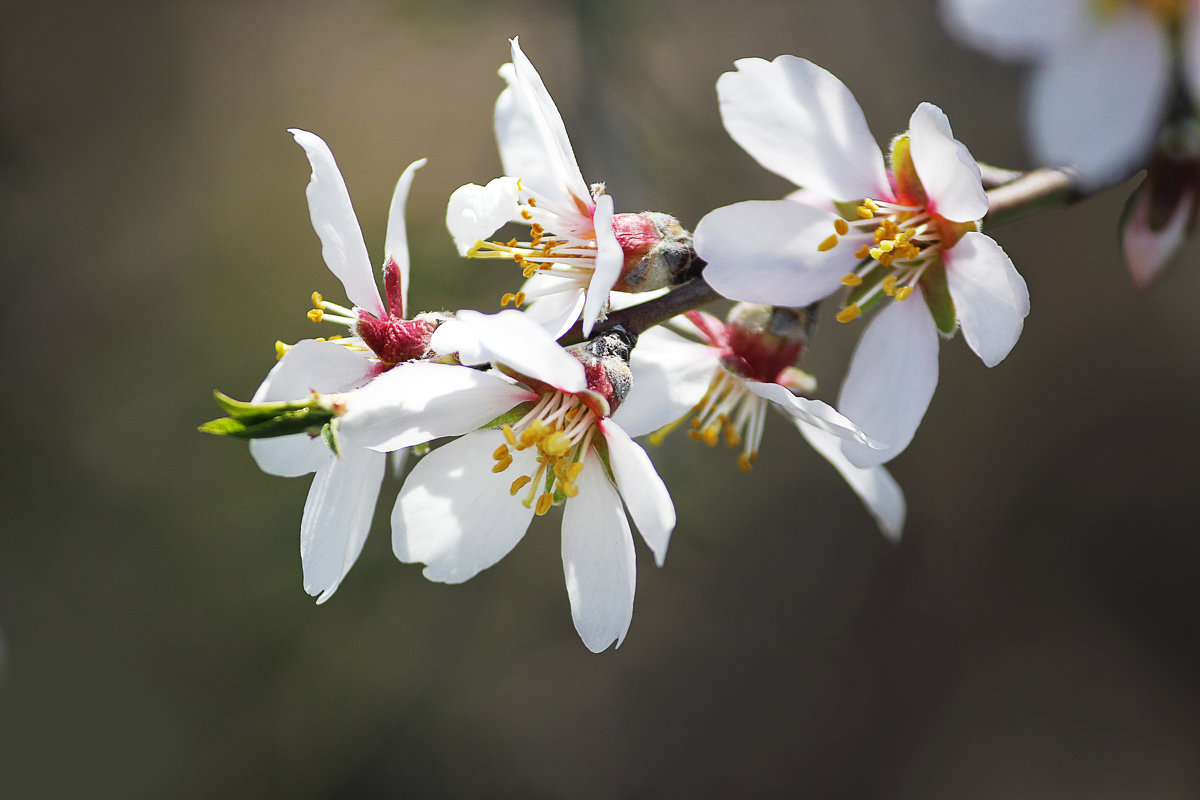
x: 1034, y: 635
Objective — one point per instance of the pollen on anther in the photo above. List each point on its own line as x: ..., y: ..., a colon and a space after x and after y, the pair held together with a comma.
x: 519, y: 484
x: 281, y: 349
x: 841, y: 226
x: 509, y: 435
x: 828, y: 244
x: 500, y: 453
x: 574, y: 470
x: 316, y: 315
x: 519, y: 299
x: 849, y: 313
x: 317, y: 300
x: 865, y: 212
x: 744, y: 462
x: 850, y: 279
x: 503, y: 464
x: 525, y: 214
x: 543, y: 504
x: 904, y: 292
x: 507, y: 298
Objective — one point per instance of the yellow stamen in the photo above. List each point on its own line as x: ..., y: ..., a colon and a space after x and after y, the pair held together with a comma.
x: 525, y: 214
x: 889, y: 285
x: 841, y: 226
x: 865, y: 212
x: 574, y: 470
x: 904, y: 292
x: 568, y: 488
x: 828, y: 244
x: 281, y: 349
x: 744, y: 462
x: 316, y: 315
x: 509, y: 435
x: 507, y: 298
x: 502, y: 465
x: 556, y: 444
x: 543, y: 504
x: 519, y: 484
x: 500, y: 453
x: 849, y: 313
x: 317, y: 300
x: 519, y: 299
x: 851, y: 280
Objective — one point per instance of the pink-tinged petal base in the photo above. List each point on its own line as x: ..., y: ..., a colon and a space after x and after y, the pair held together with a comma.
x: 641, y: 488
x: 1147, y: 251
x: 877, y: 489
x: 947, y: 172
x: 765, y: 251
x: 891, y: 379
x: 598, y: 560
x: 454, y: 514
x: 337, y: 518
x: 989, y: 295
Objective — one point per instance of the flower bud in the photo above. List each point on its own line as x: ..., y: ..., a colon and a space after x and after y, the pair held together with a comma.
x: 396, y: 340
x: 605, y: 360
x: 658, y: 251
x: 1162, y: 212
x: 764, y: 341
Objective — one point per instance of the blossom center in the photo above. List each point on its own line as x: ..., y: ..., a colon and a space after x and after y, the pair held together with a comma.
x: 731, y: 411
x: 559, y: 428
x: 900, y: 240
x: 562, y: 242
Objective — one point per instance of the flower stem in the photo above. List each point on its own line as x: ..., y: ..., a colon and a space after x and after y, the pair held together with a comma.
x: 1034, y: 191
x: 643, y: 316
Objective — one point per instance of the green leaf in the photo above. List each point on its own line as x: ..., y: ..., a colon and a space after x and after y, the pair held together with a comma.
x: 285, y: 424
x: 509, y: 417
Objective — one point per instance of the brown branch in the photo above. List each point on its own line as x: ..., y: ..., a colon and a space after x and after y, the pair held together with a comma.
x: 643, y: 316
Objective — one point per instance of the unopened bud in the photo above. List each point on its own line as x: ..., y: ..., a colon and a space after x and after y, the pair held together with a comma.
x: 765, y: 340
x: 605, y: 360
x: 658, y: 251
x: 395, y: 340
x: 1162, y: 212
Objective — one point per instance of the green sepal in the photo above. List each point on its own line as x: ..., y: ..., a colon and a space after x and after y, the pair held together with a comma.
x: 329, y: 436
x: 936, y: 292
x: 847, y: 209
x: 514, y: 414
x: 873, y: 279
x: 909, y: 189
x: 304, y: 420
x: 251, y: 413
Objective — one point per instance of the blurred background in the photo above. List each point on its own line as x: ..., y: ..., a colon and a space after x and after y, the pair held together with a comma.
x: 1036, y: 634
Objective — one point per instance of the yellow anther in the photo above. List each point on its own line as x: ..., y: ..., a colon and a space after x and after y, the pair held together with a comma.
x: 574, y: 470
x: 502, y: 465
x: 828, y: 244
x: 281, y: 349
x: 507, y: 298
x: 887, y: 245
x: 509, y: 436
x: 849, y: 313
x: 875, y: 253
x: 731, y: 437
x: 841, y: 226
x: 532, y: 201
x: 568, y: 488
x: 889, y: 285
x: 904, y: 292
x: 519, y: 299
x: 316, y: 315
x: 862, y: 252
x: 500, y: 453
x: 850, y: 279
x: 529, y: 270
x: 744, y: 463
x: 543, y: 504
x: 871, y: 204
x: 865, y: 212
x: 511, y: 243
x: 695, y: 423
x: 519, y: 484
x: 317, y: 300
x: 556, y: 444
x: 525, y: 214
x: 710, y: 435
x: 695, y: 434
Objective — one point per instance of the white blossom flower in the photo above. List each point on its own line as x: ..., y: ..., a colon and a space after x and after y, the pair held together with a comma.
x: 906, y: 230
x: 1102, y: 77
x: 341, y: 502
x: 461, y: 509
x: 571, y: 224
x: 728, y: 380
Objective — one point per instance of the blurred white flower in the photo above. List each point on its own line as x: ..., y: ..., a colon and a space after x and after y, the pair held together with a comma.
x: 1102, y: 72
x: 729, y: 379
x: 906, y: 230
x: 461, y: 510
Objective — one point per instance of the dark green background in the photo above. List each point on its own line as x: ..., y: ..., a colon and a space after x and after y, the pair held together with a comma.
x: 1035, y: 634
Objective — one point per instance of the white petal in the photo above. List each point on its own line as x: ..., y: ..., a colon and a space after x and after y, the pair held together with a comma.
x: 1015, y: 29
x: 598, y: 560
x: 877, y: 489
x: 416, y: 402
x: 609, y: 260
x: 395, y: 241
x: 670, y: 377
x: 814, y: 412
x: 801, y: 122
x: 990, y: 296
x: 765, y: 251
x: 513, y: 339
x: 555, y: 303
x: 891, y: 379
x: 333, y: 219
x: 947, y: 172
x: 1097, y: 104
x: 455, y: 514
x: 641, y: 488
x: 308, y: 367
x: 337, y: 518
x: 1147, y: 251
x: 475, y: 212
x: 535, y: 103
x: 454, y: 338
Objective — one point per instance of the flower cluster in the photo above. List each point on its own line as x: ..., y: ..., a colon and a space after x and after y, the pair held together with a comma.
x: 514, y: 413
